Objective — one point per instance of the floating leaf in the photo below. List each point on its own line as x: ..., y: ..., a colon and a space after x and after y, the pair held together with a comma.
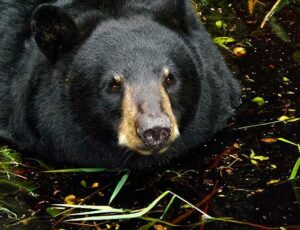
x: 219, y: 24
x: 258, y: 100
x: 239, y: 51
x: 285, y: 79
x: 70, y: 199
x: 269, y: 140
x: 254, y: 162
x: 260, y: 158
x: 222, y: 41
x: 83, y: 183
x: 274, y: 166
x: 96, y: 185
x: 273, y: 181
x: 255, y: 158
x: 283, y: 118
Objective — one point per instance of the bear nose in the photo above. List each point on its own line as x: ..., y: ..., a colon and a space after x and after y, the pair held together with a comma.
x: 154, y: 131
x: 156, y: 138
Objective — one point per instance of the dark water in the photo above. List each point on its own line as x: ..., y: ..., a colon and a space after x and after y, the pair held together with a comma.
x: 219, y: 176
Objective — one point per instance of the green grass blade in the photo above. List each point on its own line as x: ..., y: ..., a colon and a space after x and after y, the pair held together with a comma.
x: 119, y: 187
x: 168, y: 207
x: 124, y: 216
x: 286, y: 141
x: 295, y: 170
x: 78, y: 170
x: 20, y: 186
x: 92, y: 207
x: 98, y: 212
x: 9, y: 213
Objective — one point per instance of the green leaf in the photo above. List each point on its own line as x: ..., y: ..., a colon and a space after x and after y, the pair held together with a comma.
x: 222, y: 41
x: 258, y: 100
x: 282, y: 4
x: 260, y: 158
x: 53, y: 212
x: 219, y: 24
x: 279, y: 30
x: 254, y: 162
x: 83, y: 183
x: 252, y: 154
x: 119, y: 187
x: 285, y: 79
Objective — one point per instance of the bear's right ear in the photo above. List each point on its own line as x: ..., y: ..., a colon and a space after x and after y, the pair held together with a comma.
x: 54, y: 31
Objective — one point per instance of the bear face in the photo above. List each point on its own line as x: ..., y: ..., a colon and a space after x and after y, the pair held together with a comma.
x: 131, y: 84
x: 140, y: 91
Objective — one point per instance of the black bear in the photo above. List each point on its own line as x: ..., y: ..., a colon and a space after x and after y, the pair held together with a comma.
x: 122, y: 83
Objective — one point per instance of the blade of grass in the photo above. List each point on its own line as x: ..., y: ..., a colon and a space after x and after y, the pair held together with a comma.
x: 124, y: 216
x: 92, y: 207
x: 137, y: 214
x: 167, y: 208
x: 279, y: 4
x: 286, y: 141
x: 98, y: 212
x: 269, y: 123
x: 297, y: 164
x: 19, y: 186
x: 78, y: 170
x: 295, y: 170
x: 119, y: 187
x: 9, y: 213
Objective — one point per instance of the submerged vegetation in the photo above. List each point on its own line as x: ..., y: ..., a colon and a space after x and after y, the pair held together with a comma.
x: 247, y: 177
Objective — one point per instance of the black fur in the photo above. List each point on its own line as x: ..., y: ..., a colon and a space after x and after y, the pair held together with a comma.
x: 53, y: 90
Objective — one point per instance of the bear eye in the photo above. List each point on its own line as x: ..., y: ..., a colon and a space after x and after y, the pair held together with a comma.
x: 115, y: 86
x: 170, y: 80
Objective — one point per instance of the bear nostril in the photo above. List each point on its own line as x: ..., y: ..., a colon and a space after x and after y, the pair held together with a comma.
x: 156, y: 138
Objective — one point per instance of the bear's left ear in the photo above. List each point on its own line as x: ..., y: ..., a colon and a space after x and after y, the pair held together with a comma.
x: 54, y: 31
x: 176, y: 14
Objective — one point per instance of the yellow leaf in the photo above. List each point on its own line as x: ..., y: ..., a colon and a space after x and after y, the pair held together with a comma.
x: 260, y: 158
x: 272, y: 182
x: 70, y: 199
x: 274, y: 166
x: 254, y: 162
x: 251, y: 5
x: 283, y: 118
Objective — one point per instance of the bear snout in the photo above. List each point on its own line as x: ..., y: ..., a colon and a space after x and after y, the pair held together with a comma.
x: 154, y: 132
